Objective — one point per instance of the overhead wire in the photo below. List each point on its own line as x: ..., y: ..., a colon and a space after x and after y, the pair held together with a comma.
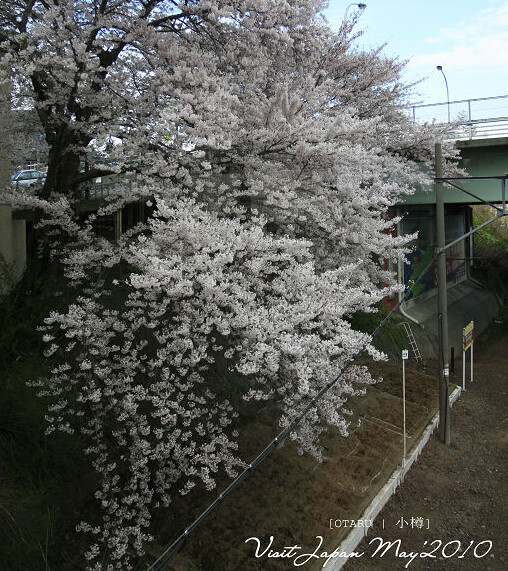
x: 170, y: 552
x: 173, y: 549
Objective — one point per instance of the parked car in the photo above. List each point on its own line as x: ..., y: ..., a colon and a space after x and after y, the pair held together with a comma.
x: 28, y: 177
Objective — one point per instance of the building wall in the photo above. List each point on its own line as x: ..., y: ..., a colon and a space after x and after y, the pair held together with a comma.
x: 12, y: 232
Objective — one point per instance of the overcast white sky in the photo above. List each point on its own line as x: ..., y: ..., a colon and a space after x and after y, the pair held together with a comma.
x: 469, y: 38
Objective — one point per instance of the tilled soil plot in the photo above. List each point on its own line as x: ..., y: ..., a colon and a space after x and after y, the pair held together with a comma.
x: 454, y: 496
x: 297, y: 500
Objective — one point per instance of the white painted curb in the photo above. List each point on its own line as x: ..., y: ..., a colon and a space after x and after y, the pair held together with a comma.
x: 355, y: 537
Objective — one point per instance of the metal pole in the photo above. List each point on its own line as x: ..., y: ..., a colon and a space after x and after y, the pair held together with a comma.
x: 503, y: 194
x: 444, y: 403
x: 469, y: 118
x: 472, y: 349
x: 404, y: 408
x: 471, y: 249
x: 440, y: 68
x: 464, y: 359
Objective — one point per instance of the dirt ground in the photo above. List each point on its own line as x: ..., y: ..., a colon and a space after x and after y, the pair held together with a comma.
x: 460, y: 491
x: 457, y: 492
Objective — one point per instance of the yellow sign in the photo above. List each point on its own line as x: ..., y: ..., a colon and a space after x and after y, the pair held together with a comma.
x: 468, y: 335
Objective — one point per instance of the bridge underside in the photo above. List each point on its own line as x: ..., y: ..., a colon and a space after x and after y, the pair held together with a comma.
x: 486, y: 162
x: 481, y: 158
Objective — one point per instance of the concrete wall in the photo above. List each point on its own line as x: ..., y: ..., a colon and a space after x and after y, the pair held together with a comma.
x: 467, y: 301
x: 12, y: 232
x: 12, y: 248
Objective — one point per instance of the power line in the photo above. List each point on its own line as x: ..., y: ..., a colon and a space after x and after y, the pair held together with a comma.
x: 165, y: 558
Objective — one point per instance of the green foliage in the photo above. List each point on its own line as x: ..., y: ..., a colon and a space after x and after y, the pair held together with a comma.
x: 491, y: 237
x: 418, y: 268
x: 391, y: 340
x: 495, y: 233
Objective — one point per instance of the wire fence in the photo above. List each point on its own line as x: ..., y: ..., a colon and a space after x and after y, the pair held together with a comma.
x: 163, y: 561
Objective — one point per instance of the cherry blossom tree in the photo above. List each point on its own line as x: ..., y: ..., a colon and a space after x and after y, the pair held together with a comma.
x: 270, y: 149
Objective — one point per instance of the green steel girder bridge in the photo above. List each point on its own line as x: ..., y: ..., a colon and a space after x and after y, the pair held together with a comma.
x: 480, y: 130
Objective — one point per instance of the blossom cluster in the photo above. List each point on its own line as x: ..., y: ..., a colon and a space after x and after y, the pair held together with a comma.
x: 137, y: 373
x: 268, y: 149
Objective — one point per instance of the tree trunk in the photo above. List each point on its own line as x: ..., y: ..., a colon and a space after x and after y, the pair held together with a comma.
x: 63, y: 170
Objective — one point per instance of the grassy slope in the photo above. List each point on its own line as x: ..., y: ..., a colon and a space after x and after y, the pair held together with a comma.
x: 41, y: 477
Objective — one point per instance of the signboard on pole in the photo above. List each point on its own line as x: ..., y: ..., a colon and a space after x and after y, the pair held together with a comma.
x: 467, y: 343
x: 468, y: 335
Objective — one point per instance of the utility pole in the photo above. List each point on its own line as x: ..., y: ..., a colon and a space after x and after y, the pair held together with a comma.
x: 444, y: 372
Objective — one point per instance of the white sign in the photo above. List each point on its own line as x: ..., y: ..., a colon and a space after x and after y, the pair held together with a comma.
x: 405, y: 354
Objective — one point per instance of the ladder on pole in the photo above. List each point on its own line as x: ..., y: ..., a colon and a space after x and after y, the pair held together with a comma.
x: 412, y: 341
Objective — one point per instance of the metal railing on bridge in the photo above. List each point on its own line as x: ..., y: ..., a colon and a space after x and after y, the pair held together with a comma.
x: 481, y: 118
